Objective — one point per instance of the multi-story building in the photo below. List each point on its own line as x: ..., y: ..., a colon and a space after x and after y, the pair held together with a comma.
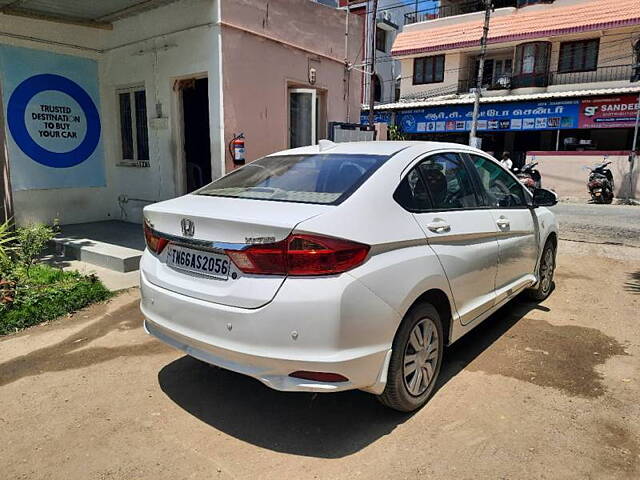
x: 390, y: 18
x: 558, y: 75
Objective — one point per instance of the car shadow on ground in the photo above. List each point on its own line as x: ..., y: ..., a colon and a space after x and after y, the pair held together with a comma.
x: 315, y: 425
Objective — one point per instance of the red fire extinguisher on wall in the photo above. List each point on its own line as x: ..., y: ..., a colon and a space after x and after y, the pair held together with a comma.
x: 236, y: 149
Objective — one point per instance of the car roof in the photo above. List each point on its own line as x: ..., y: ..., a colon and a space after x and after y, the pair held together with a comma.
x: 388, y: 148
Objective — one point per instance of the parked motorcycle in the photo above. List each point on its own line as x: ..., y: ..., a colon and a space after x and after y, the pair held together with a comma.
x: 529, y: 176
x: 601, y: 185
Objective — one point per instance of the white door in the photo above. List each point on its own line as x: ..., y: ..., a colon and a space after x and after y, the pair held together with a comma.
x: 506, y: 198
x: 462, y: 234
x: 302, y: 117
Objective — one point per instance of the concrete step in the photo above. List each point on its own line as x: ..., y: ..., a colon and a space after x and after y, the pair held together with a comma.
x: 111, y: 279
x: 102, y: 254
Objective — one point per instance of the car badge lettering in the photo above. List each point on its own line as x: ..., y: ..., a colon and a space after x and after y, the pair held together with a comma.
x: 259, y: 240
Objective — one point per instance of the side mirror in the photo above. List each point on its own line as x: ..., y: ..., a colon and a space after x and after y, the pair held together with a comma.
x: 544, y: 198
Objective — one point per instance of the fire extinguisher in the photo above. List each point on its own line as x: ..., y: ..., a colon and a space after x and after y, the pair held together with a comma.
x: 236, y: 149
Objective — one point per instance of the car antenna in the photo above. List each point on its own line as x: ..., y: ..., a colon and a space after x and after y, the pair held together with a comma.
x: 326, y: 145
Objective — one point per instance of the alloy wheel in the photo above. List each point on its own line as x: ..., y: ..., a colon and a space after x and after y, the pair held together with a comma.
x: 420, y: 357
x: 546, y: 270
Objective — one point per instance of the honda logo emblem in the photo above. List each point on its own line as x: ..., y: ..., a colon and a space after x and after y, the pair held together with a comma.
x: 188, y: 227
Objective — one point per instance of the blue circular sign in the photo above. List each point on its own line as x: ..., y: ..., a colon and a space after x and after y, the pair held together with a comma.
x: 17, y: 107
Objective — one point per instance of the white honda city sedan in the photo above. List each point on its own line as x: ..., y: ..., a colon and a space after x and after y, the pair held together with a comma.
x: 344, y: 266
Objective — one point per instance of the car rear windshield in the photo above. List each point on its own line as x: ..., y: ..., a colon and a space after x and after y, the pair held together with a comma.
x: 324, y: 178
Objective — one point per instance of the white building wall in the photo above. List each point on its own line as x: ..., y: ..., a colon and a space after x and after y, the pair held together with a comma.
x: 133, y: 53
x: 143, y: 51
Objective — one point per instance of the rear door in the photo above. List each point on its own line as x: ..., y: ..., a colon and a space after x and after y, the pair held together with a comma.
x: 462, y: 234
x: 506, y: 199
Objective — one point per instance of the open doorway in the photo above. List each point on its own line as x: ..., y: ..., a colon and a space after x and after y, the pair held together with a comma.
x: 307, y: 116
x: 197, y: 144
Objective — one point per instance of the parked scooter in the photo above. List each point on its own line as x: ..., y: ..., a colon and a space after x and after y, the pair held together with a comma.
x: 601, y: 185
x: 529, y: 176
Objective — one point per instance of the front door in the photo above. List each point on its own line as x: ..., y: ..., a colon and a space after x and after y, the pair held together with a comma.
x: 505, y: 196
x: 459, y: 232
x: 197, y: 141
x: 303, y: 110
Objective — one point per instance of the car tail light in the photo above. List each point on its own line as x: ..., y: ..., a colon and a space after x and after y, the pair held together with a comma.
x: 301, y: 255
x: 267, y: 259
x: 155, y: 242
x: 320, y: 376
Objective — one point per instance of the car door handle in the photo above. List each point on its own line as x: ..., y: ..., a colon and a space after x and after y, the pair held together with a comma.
x: 503, y: 222
x: 439, y: 227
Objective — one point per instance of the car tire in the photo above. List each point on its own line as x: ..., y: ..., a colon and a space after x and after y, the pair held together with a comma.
x: 410, y: 391
x: 545, y: 273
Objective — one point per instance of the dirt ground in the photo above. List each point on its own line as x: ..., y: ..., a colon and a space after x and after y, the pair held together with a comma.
x: 548, y: 391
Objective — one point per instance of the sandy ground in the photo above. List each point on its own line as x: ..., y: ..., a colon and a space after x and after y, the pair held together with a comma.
x: 547, y: 391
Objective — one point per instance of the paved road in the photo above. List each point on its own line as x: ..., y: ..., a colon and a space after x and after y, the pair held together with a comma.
x: 539, y: 391
x: 619, y: 224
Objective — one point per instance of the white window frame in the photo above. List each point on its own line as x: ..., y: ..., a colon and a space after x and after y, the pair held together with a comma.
x: 314, y: 97
x: 135, y: 161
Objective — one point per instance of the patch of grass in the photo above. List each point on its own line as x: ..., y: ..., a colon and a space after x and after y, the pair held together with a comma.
x: 43, y: 293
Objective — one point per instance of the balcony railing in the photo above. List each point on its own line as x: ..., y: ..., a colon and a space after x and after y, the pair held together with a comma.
x: 509, y: 82
x: 453, y: 10
x: 602, y: 74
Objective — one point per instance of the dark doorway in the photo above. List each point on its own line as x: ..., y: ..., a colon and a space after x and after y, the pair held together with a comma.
x: 197, y: 146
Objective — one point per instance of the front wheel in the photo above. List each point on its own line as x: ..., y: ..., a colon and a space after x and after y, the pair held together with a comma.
x: 609, y: 198
x: 545, y: 273
x: 415, y: 359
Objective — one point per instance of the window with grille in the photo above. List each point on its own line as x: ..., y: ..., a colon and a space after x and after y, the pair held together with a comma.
x: 636, y: 66
x: 134, y: 135
x: 428, y: 70
x: 381, y: 39
x: 579, y: 56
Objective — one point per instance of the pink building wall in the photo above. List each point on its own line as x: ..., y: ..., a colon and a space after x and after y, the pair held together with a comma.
x: 268, y: 47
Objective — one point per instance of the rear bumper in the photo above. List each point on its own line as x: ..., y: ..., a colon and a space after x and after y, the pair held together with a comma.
x: 334, y: 325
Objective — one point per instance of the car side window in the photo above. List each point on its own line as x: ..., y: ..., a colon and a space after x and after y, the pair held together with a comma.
x: 448, y: 182
x: 411, y: 194
x: 502, y: 190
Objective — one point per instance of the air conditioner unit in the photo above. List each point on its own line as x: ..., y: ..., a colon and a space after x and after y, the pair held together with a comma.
x: 384, y: 17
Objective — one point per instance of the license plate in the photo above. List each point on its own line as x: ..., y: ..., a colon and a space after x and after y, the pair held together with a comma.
x: 598, y: 194
x: 198, y: 261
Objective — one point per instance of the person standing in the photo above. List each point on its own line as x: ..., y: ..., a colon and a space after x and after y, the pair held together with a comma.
x: 506, y: 161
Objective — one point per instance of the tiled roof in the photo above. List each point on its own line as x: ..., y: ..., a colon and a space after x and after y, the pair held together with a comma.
x: 523, y: 24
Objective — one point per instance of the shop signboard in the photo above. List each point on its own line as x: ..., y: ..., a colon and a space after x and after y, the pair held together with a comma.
x: 499, y: 117
x: 52, y: 112
x: 609, y: 112
x: 378, y: 117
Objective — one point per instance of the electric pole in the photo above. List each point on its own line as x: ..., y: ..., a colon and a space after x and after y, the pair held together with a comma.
x: 473, y: 136
x: 372, y: 66
x: 347, y: 70
x: 634, y: 150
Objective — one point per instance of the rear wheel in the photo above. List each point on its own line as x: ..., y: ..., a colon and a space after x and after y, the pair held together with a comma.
x: 415, y: 360
x: 545, y: 273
